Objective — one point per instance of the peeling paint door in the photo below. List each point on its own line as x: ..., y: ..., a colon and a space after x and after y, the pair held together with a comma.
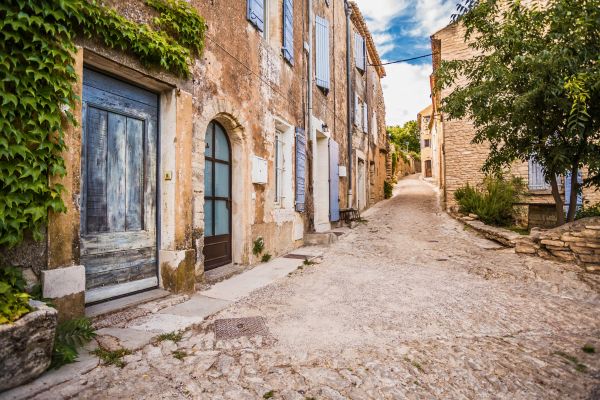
x: 217, y: 198
x: 118, y: 194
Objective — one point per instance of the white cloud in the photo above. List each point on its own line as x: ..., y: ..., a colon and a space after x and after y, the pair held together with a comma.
x: 406, y: 91
x: 431, y: 16
x: 380, y: 13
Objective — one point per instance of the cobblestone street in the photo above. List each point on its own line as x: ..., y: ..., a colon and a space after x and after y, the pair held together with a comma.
x: 407, y: 305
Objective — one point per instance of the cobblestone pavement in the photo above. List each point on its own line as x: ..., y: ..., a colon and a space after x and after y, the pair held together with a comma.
x: 408, y: 305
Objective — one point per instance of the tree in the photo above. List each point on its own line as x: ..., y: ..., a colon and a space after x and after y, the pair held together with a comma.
x: 406, y: 136
x: 534, y: 89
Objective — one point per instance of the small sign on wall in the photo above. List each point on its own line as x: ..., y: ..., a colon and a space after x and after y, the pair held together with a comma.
x: 342, y: 171
x: 259, y: 170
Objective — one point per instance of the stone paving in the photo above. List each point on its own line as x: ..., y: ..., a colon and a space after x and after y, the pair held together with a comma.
x: 409, y: 305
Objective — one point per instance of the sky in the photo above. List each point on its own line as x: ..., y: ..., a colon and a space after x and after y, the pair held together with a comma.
x: 401, y: 30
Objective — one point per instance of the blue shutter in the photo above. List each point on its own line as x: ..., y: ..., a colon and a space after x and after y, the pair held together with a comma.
x: 322, y: 52
x: 359, y: 51
x: 568, y: 189
x: 288, y: 31
x: 300, y: 170
x: 256, y: 13
x: 334, y: 181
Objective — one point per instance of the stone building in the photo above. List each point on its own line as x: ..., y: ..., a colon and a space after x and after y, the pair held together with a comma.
x: 428, y: 144
x: 460, y: 161
x: 168, y: 177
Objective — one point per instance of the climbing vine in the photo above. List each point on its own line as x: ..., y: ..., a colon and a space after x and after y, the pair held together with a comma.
x: 37, y: 43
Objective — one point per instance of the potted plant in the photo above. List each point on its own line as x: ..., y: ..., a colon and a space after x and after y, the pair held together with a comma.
x: 27, y: 329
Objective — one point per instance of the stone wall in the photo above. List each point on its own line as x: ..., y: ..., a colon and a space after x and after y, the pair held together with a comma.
x: 577, y: 242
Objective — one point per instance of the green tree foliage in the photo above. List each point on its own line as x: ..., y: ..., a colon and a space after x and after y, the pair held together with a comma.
x: 406, y: 135
x: 534, y: 90
x: 14, y: 302
x: 36, y: 89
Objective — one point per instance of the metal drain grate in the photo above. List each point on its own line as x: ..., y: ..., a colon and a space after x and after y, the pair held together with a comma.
x: 297, y: 256
x: 232, y: 328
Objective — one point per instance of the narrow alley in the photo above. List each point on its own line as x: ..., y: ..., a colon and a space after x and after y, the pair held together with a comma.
x: 407, y: 305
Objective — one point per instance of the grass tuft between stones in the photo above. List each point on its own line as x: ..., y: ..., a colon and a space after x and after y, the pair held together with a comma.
x: 269, y: 395
x: 172, y: 336
x: 179, y: 354
x: 573, y: 360
x: 114, y: 357
x: 588, y: 348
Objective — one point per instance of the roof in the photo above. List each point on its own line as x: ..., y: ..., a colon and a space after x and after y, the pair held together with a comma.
x: 361, y: 25
x: 427, y: 110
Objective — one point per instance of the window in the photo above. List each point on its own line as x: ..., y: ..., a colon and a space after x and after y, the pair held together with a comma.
x: 322, y: 52
x: 427, y: 143
x: 537, y: 177
x: 257, y: 14
x: 359, y: 51
x: 279, y: 167
x: 288, y: 31
x: 426, y: 122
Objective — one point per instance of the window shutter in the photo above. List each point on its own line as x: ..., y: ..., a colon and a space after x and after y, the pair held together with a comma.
x: 359, y: 51
x: 300, y: 170
x: 365, y: 121
x: 256, y: 13
x: 537, y: 178
x: 322, y: 52
x: 288, y: 31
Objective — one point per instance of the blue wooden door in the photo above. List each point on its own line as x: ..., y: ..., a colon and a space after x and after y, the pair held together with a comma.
x: 118, y: 193
x: 334, y: 181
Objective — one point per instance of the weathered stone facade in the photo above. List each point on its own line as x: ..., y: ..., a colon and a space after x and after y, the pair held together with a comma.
x: 577, y: 242
x: 244, y: 83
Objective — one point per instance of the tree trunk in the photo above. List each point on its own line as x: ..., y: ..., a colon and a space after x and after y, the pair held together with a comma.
x: 574, y: 192
x: 560, y: 213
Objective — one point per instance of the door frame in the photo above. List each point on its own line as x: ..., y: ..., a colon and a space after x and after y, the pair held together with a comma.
x: 208, y: 267
x: 103, y: 294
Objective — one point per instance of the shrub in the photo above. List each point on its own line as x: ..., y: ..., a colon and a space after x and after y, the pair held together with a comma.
x: 493, y: 201
x: 387, y: 189
x: 14, y: 301
x: 265, y: 258
x: 586, y: 212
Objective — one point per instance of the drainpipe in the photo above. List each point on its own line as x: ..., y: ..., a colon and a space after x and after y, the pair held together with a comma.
x: 309, y: 125
x: 349, y: 99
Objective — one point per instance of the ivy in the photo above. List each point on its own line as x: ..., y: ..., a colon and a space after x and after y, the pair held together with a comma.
x: 37, y: 43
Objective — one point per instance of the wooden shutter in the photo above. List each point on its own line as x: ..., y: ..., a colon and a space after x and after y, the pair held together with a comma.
x: 357, y: 110
x: 365, y: 119
x: 256, y: 13
x: 359, y: 51
x: 537, y: 178
x: 300, y: 170
x: 322, y: 52
x: 288, y: 31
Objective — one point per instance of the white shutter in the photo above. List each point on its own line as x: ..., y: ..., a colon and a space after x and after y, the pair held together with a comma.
x: 322, y: 52
x: 365, y: 118
x: 359, y: 51
x: 357, y: 110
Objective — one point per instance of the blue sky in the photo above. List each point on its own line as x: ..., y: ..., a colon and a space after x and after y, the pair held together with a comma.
x: 401, y: 29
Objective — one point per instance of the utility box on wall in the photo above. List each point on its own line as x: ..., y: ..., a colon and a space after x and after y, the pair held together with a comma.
x: 342, y: 171
x: 259, y: 170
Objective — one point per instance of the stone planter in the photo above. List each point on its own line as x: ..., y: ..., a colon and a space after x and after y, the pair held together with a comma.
x: 26, y: 346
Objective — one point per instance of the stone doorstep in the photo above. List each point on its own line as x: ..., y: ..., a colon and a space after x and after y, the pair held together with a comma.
x: 141, y: 331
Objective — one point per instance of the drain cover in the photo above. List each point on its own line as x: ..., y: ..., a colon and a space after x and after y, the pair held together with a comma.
x: 232, y: 328
x: 296, y: 256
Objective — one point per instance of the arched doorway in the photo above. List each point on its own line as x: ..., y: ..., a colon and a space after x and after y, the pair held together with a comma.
x: 217, y: 197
